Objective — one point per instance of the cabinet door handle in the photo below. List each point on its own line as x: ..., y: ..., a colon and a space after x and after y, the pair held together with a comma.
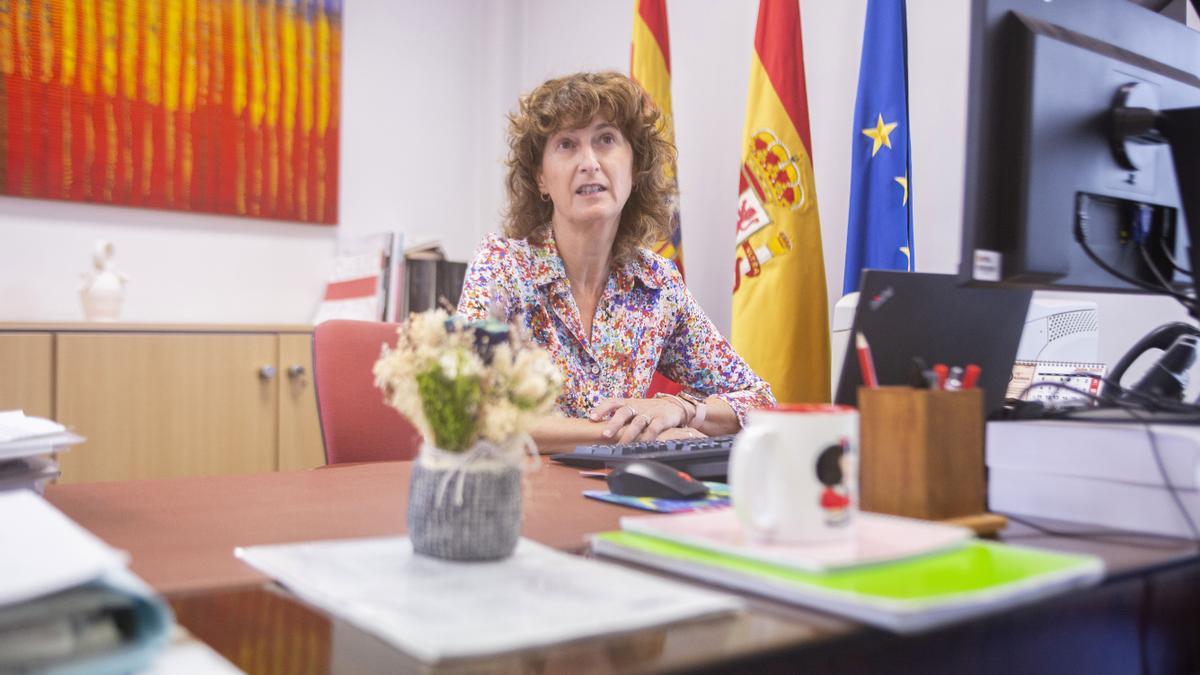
x: 295, y: 370
x: 266, y: 372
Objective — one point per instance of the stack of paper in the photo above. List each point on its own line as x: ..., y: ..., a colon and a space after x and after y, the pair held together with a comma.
x: 1124, y: 475
x: 26, y: 448
x: 435, y: 609
x: 67, y: 603
x: 900, y: 574
x: 876, y: 538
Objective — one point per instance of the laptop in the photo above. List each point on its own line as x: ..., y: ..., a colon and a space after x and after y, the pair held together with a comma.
x: 907, y: 314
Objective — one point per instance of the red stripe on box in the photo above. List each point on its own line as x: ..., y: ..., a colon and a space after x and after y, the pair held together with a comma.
x: 353, y: 288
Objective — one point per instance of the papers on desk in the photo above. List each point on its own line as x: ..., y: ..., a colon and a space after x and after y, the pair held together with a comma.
x: 15, y: 425
x: 25, y: 445
x: 904, y: 596
x: 435, y: 609
x: 67, y: 604
x: 44, y: 551
x: 876, y: 538
x: 1119, y: 474
x: 23, y: 436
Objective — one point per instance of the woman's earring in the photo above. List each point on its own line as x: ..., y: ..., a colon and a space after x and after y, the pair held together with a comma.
x: 545, y: 196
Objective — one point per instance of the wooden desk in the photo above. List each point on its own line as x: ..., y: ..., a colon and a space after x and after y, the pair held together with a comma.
x: 181, y: 534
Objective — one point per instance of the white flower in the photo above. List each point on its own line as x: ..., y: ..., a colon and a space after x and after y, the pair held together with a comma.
x: 428, y: 329
x: 460, y: 363
x: 530, y: 387
x: 448, y: 364
x: 500, y: 422
x: 515, y: 388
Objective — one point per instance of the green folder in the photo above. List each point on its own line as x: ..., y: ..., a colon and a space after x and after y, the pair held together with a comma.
x: 904, y: 596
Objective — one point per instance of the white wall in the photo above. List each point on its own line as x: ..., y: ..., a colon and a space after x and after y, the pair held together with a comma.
x: 426, y: 88
x: 711, y: 43
x: 411, y: 134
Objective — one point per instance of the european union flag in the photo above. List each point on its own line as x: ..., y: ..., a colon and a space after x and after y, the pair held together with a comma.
x: 879, y: 234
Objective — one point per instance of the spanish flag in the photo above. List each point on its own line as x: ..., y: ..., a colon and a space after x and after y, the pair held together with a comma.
x: 780, y: 311
x: 650, y: 66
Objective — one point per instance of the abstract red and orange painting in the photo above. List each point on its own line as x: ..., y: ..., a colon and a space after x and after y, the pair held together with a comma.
x: 219, y: 106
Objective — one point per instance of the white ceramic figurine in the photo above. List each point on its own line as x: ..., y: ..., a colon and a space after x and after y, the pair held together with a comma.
x: 103, y: 288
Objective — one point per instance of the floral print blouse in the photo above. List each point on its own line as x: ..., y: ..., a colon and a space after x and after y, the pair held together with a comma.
x: 646, y: 320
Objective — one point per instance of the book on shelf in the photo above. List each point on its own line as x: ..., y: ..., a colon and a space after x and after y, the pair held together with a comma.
x: 363, y: 275
x: 376, y: 277
x: 396, y: 306
x: 896, y: 591
x: 432, y: 281
x: 425, y: 249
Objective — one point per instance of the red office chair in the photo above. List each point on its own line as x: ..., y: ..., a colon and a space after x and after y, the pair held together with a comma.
x: 356, y: 425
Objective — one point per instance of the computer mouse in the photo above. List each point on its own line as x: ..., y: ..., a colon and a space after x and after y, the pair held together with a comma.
x: 647, y: 478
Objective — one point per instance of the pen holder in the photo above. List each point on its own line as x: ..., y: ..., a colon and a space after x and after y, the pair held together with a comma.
x: 921, y: 452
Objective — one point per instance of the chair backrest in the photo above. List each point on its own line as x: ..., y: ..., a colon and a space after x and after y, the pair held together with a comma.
x: 356, y: 425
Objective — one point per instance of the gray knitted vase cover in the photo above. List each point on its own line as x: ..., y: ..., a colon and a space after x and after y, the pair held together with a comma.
x: 484, y: 525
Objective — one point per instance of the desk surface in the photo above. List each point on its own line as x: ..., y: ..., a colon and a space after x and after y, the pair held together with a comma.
x: 180, y: 534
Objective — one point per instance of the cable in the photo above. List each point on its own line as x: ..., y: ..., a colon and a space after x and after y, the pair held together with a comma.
x: 1162, y: 471
x: 1154, y: 267
x: 1081, y: 223
x: 1186, y: 300
x: 1148, y: 403
x: 1059, y: 385
x: 1162, y: 243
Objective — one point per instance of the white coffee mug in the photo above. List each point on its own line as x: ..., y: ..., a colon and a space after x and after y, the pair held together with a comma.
x: 793, y: 473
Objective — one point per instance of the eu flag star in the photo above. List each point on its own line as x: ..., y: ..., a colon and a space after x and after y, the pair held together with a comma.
x: 879, y: 134
x: 903, y: 181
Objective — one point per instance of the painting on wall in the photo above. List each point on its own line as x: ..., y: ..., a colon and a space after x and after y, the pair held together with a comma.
x: 218, y: 106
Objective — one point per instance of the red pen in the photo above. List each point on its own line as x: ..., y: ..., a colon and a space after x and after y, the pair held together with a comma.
x: 970, y: 376
x: 866, y: 364
x: 942, y: 371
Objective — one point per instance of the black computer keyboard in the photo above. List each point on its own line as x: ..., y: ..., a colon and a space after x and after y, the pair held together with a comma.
x: 704, y: 458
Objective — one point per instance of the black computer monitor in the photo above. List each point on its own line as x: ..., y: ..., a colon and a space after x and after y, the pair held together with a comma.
x: 1052, y: 198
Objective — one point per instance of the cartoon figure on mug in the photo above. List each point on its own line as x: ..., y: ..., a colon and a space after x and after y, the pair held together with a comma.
x: 835, y: 498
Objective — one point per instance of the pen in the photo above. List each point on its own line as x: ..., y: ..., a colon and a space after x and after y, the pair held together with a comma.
x: 866, y: 364
x: 917, y: 372
x: 970, y: 376
x: 931, y: 379
x: 954, y: 380
x: 942, y: 372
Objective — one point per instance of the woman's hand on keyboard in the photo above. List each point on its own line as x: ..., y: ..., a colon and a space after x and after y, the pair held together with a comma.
x: 638, y: 419
x: 681, y: 433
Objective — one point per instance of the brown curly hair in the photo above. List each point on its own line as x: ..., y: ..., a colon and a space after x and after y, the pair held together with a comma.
x: 572, y: 102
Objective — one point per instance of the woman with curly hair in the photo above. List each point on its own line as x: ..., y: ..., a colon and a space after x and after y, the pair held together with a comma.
x: 587, y: 190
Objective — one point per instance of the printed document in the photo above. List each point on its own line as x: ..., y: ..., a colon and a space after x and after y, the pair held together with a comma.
x: 435, y: 609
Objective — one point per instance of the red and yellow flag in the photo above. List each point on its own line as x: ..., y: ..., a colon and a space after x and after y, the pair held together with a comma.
x: 650, y: 66
x: 780, y: 311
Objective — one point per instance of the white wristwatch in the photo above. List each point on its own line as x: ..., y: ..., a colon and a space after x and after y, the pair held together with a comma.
x: 701, y: 409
